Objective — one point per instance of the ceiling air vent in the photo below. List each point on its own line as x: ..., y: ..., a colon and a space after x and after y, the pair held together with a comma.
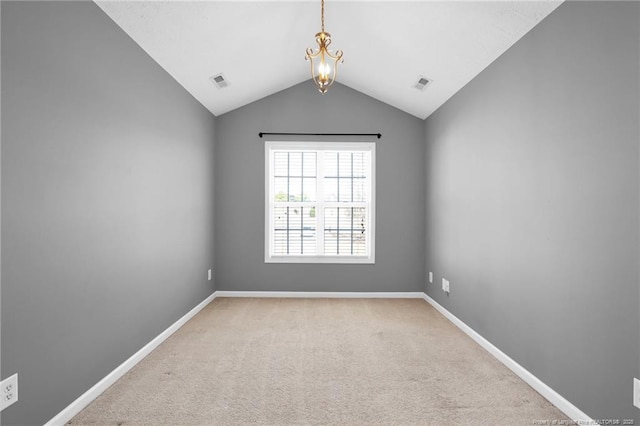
x: 219, y: 81
x: 422, y: 83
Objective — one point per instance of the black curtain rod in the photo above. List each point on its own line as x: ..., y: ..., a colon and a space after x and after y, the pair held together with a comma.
x: 378, y: 135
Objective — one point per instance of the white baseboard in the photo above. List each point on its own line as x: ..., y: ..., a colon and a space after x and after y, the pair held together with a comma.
x: 543, y: 389
x: 86, y: 398
x: 323, y: 294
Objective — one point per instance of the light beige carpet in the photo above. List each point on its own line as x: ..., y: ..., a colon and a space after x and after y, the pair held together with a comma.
x: 316, y: 362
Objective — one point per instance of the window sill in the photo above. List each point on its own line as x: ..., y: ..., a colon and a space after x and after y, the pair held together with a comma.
x: 356, y: 260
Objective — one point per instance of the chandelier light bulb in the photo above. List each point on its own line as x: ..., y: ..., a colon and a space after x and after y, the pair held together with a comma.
x: 324, y: 71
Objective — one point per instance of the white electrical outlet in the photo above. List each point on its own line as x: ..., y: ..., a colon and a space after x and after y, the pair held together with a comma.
x: 445, y: 286
x: 8, y: 391
x: 209, y: 275
x: 636, y: 392
x: 431, y: 277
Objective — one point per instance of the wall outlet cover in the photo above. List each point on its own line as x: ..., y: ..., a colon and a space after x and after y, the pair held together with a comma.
x: 8, y: 391
x: 209, y: 275
x: 636, y: 392
x: 431, y: 277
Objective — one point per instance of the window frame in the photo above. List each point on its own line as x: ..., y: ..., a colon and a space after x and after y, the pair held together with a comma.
x: 318, y: 147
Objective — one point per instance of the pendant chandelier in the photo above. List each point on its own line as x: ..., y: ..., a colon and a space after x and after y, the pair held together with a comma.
x: 324, y: 64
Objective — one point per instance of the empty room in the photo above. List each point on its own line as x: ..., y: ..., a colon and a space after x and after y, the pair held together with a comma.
x: 320, y: 212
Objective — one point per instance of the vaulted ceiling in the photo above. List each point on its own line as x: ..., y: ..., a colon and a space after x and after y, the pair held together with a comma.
x: 259, y: 46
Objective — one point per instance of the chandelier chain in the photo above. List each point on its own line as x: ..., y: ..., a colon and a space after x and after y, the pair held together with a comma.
x: 322, y: 15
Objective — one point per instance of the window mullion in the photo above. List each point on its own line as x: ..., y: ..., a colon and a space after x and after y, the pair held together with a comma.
x: 288, y: 197
x: 302, y: 209
x: 320, y: 203
x: 334, y: 204
x: 351, y: 180
x: 306, y: 204
x: 339, y: 199
x: 269, y: 203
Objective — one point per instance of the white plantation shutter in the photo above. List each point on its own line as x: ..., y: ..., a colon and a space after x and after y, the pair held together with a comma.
x: 345, y: 196
x: 319, y: 202
x: 294, y: 197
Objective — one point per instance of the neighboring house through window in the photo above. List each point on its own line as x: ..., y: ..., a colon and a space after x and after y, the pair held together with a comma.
x: 320, y: 202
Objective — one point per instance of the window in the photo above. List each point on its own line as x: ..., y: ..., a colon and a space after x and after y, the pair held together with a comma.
x: 319, y: 204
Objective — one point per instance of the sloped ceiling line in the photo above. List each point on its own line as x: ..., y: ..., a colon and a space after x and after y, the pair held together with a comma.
x: 259, y: 46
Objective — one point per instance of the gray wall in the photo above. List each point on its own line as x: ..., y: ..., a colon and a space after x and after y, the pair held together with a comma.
x: 107, y: 171
x: 532, y: 201
x: 240, y: 192
x: 1, y: 377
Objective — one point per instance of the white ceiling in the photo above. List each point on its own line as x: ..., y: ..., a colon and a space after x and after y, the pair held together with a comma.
x: 388, y: 45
